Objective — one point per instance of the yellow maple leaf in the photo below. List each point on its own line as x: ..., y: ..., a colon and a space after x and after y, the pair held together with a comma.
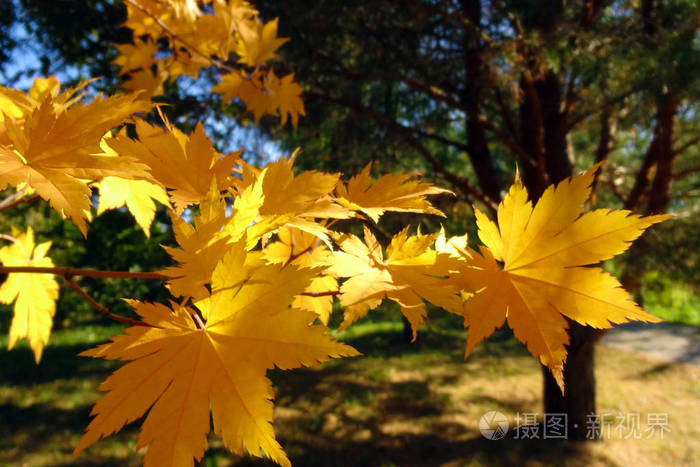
x: 410, y: 273
x: 134, y: 56
x: 248, y: 88
x: 258, y: 42
x: 542, y: 250
x: 389, y: 193
x: 213, y: 234
x: 53, y: 150
x: 304, y: 250
x: 186, y: 165
x: 145, y: 81
x: 185, y: 8
x: 284, y: 95
x: 289, y: 199
x: 144, y: 21
x: 36, y: 294
x: 136, y: 195
x: 17, y: 104
x: 201, y: 248
x: 183, y: 371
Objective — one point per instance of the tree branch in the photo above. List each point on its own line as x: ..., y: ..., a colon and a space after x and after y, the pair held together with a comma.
x: 16, y: 199
x: 71, y: 272
x: 213, y: 60
x: 321, y: 294
x: 406, y: 134
x: 685, y: 172
x: 103, y: 310
x: 681, y: 149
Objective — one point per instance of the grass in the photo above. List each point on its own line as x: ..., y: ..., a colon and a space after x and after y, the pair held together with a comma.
x: 399, y: 405
x: 671, y: 300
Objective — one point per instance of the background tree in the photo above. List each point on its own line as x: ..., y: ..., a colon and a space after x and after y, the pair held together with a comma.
x: 466, y: 90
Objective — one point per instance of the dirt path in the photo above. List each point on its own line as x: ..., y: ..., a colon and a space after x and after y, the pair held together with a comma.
x: 669, y: 342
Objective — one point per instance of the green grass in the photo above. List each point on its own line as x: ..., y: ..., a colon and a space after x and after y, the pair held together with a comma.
x: 400, y: 404
x: 671, y: 300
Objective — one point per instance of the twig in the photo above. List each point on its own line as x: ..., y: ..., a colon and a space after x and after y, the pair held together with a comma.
x: 103, y: 310
x: 195, y: 317
x: 175, y: 37
x: 12, y: 201
x: 70, y: 272
x: 321, y: 294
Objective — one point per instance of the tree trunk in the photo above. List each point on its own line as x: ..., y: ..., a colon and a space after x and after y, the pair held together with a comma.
x: 478, y: 149
x: 661, y: 155
x: 544, y: 131
x: 578, y: 401
x: 660, y: 195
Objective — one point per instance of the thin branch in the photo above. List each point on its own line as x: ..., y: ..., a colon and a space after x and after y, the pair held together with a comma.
x: 195, y: 317
x: 13, y: 197
x: 406, y: 134
x: 321, y: 294
x: 9, y: 238
x: 506, y: 113
x: 12, y: 201
x: 71, y: 272
x: 103, y: 310
x: 294, y: 256
x: 374, y: 227
x: 511, y: 144
x: 584, y: 114
x: 215, y: 61
x: 685, y: 172
x: 681, y: 149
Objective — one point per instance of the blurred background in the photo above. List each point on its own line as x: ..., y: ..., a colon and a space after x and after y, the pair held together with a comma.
x: 462, y: 92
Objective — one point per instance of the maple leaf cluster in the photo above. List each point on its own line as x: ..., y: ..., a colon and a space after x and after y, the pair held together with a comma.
x: 227, y: 35
x: 260, y: 260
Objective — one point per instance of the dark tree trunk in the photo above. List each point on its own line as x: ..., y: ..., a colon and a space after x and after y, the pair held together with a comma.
x: 578, y: 401
x: 660, y: 195
x: 606, y: 141
x: 661, y: 155
x: 544, y: 136
x: 556, y: 154
x: 478, y: 149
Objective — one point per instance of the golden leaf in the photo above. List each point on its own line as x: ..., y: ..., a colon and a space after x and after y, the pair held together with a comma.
x: 410, y: 274
x: 36, y: 294
x: 304, y: 250
x: 542, y: 250
x: 184, y: 164
x: 183, y: 371
x: 53, y: 150
x: 389, y: 193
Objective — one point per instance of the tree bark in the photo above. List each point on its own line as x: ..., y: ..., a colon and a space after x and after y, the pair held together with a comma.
x: 660, y: 195
x: 478, y: 152
x: 578, y: 401
x: 661, y: 155
x: 544, y: 131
